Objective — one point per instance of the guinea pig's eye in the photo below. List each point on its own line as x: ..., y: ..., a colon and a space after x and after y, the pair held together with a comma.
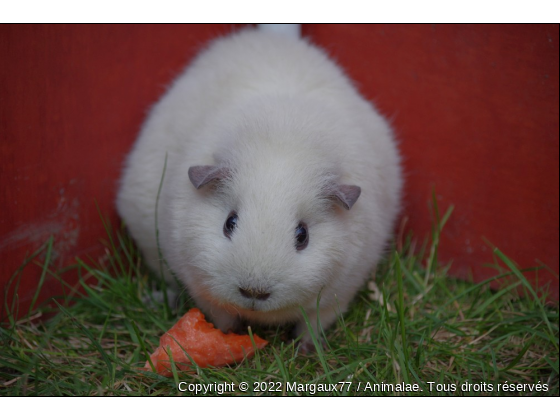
x: 230, y: 224
x: 302, y: 236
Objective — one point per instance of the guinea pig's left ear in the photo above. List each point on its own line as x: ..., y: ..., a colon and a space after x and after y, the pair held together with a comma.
x: 202, y: 175
x: 346, y: 195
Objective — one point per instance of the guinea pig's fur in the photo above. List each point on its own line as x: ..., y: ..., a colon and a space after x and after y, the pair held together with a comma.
x: 266, y: 127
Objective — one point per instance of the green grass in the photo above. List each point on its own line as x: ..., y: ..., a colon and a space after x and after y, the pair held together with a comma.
x: 410, y: 324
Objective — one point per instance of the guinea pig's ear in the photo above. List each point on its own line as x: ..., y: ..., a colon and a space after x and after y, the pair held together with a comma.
x: 346, y: 195
x: 202, y: 175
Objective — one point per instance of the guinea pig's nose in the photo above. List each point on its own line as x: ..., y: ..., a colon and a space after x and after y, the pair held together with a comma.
x: 254, y: 294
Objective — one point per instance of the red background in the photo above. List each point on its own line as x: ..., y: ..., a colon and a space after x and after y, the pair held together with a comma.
x: 475, y: 108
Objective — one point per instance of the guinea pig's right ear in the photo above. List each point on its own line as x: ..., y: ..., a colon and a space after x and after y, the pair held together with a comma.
x: 345, y: 195
x: 202, y: 175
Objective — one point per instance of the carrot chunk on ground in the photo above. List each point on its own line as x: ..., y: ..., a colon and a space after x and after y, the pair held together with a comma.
x: 206, y: 345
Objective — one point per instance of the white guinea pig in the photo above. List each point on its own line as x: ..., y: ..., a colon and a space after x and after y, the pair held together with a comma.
x: 281, y: 187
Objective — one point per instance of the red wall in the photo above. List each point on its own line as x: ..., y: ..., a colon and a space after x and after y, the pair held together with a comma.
x: 475, y: 109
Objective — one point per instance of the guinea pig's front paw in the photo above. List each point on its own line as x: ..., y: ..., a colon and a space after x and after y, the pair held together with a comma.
x: 227, y: 322
x: 305, y: 344
x: 306, y: 347
x: 157, y: 298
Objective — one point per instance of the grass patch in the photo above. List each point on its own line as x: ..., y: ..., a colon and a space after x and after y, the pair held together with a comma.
x: 410, y: 326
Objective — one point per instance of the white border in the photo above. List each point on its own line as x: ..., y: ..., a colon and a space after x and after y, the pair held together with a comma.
x: 271, y: 408
x: 287, y: 11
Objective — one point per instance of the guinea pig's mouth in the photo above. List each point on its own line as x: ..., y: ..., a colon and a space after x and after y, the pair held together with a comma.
x: 270, y: 307
x: 253, y: 306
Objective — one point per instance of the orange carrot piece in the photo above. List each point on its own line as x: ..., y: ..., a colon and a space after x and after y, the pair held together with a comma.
x: 206, y: 345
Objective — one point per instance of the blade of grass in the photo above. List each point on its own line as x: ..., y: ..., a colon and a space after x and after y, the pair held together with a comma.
x: 43, y: 274
x: 317, y: 344
x: 16, y: 276
x: 114, y: 249
x: 160, y: 254
x: 400, y: 307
